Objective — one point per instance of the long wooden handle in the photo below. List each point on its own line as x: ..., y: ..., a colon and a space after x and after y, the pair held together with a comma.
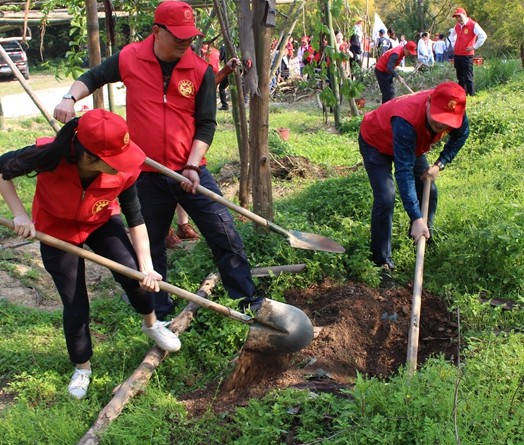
x: 210, y: 194
x: 414, y: 325
x: 135, y: 274
x: 403, y: 82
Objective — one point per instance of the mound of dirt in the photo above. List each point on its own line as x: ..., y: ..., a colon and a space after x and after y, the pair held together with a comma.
x: 362, y: 330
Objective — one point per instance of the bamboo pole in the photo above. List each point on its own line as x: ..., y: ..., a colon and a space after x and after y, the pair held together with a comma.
x: 140, y: 378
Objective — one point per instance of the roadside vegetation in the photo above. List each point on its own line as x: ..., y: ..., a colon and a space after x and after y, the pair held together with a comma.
x: 477, y: 255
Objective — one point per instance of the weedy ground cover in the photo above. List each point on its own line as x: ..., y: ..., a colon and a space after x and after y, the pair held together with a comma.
x: 477, y: 252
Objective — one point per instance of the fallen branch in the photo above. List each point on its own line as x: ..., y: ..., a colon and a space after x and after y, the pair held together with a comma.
x: 277, y: 270
x: 139, y: 379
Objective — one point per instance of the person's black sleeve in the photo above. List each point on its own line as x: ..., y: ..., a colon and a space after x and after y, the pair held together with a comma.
x: 98, y: 76
x: 206, y: 108
x: 130, y: 205
x: 392, y: 63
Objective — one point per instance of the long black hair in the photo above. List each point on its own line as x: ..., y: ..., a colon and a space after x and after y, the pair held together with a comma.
x: 44, y: 158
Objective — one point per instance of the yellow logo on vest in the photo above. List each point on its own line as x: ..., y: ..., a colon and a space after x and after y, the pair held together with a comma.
x: 186, y: 88
x: 99, y: 206
x: 466, y: 31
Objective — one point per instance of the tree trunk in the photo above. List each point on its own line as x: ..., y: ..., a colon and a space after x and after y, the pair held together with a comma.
x: 332, y: 69
x: 286, y: 34
x: 238, y: 108
x: 259, y: 116
x: 93, y: 46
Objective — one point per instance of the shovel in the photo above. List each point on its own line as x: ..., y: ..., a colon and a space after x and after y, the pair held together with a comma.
x: 299, y: 240
x: 403, y: 82
x: 277, y: 327
x: 414, y: 325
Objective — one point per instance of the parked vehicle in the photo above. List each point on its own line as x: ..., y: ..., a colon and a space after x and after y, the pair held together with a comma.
x: 18, y: 56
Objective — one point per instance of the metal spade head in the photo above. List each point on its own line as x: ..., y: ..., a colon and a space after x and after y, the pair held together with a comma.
x: 312, y: 241
x: 279, y: 328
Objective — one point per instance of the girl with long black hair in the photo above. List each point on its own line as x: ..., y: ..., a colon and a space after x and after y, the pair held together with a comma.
x: 84, y: 178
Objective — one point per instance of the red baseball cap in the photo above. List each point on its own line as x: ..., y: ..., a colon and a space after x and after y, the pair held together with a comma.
x: 178, y: 18
x: 106, y: 135
x: 459, y: 11
x: 411, y: 46
x: 448, y: 104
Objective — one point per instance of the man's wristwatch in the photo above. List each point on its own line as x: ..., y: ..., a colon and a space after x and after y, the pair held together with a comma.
x: 69, y: 96
x: 440, y: 165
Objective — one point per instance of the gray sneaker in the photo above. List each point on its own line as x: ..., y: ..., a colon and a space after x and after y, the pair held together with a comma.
x: 162, y: 336
x: 79, y: 383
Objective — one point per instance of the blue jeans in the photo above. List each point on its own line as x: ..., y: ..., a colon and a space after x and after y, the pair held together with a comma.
x: 159, y: 196
x: 378, y: 167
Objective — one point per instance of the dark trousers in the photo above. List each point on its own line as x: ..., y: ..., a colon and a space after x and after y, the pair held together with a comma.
x: 385, y: 82
x: 378, y: 167
x: 68, y: 272
x: 464, y: 68
x: 159, y: 196
x: 222, y: 92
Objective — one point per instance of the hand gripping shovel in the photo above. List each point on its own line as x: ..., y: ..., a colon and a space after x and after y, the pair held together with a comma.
x: 299, y: 240
x: 277, y: 327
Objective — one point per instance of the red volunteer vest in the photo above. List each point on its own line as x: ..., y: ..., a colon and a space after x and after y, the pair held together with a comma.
x: 383, y: 60
x: 61, y: 208
x: 162, y: 125
x: 212, y: 56
x: 376, y: 125
x: 465, y: 37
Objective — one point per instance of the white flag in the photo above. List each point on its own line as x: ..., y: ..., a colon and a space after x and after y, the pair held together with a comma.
x: 378, y: 24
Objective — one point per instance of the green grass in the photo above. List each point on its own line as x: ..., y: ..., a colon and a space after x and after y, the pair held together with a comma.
x: 478, y: 252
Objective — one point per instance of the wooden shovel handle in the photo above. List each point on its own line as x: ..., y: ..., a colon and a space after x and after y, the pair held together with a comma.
x: 135, y: 274
x: 414, y: 325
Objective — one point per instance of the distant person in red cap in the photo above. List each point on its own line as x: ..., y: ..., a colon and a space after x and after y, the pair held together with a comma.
x: 467, y: 36
x: 385, y: 69
x: 400, y: 132
x: 171, y: 113
x: 84, y: 176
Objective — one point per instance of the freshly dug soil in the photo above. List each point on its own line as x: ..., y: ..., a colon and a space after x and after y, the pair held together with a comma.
x: 361, y: 329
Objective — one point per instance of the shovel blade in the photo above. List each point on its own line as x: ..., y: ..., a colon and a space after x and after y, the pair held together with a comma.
x: 279, y: 328
x: 312, y: 241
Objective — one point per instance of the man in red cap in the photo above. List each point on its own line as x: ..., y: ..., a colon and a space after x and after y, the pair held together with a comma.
x: 171, y: 111
x: 385, y: 70
x: 467, y: 36
x: 400, y: 132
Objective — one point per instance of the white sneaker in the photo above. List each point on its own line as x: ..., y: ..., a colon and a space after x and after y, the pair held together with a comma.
x: 79, y: 383
x: 163, y: 337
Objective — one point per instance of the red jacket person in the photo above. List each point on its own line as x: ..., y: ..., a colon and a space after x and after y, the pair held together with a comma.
x: 85, y: 175
x: 171, y: 110
x: 468, y: 36
x: 385, y: 70
x: 400, y: 132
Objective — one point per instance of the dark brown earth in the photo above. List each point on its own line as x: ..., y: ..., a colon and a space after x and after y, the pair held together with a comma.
x: 363, y: 330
